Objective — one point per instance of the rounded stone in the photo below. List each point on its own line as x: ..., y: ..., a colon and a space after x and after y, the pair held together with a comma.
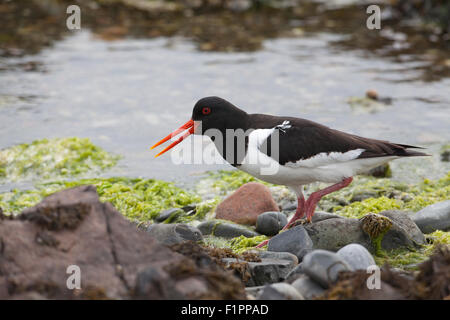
x: 324, y: 266
x: 295, y: 240
x: 270, y: 223
x: 307, y: 287
x: 246, y: 204
x: 357, y: 256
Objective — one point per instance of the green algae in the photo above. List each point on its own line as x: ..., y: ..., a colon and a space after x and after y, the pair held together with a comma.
x: 53, y: 158
x: 407, y: 258
x: 386, y: 194
x: 138, y: 199
x: 376, y: 226
x: 238, y: 245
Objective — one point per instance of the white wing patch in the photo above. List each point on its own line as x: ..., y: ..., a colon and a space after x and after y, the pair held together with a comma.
x: 324, y: 159
x: 284, y: 126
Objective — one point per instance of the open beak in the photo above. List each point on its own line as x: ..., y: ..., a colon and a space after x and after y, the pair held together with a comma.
x: 190, y: 126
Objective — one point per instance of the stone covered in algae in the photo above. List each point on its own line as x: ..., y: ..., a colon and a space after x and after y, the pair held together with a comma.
x: 53, y: 158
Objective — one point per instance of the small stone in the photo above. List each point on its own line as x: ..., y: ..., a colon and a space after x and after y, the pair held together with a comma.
x: 270, y: 223
x: 294, y: 240
x: 358, y: 257
x: 174, y: 233
x: 295, y: 273
x: 285, y: 290
x: 246, y: 204
x: 324, y: 266
x: 266, y: 271
x: 383, y: 171
x: 279, y: 256
x: 165, y: 214
x: 372, y: 94
x: 434, y: 217
x: 225, y: 229
x: 307, y: 287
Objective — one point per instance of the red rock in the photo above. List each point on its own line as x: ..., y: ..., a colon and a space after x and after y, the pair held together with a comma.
x: 246, y: 204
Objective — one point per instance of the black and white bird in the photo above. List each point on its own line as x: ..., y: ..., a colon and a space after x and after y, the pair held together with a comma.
x: 306, y: 151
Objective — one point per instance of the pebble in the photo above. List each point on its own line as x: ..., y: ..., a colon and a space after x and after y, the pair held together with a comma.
x: 225, y: 229
x: 324, y: 266
x: 270, y: 223
x: 174, y: 233
x: 294, y: 240
x: 266, y: 271
x: 433, y: 217
x: 278, y: 291
x: 307, y: 287
x: 165, y: 214
x: 358, y: 257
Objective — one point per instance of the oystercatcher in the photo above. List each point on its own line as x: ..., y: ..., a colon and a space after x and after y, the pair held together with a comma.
x: 297, y: 150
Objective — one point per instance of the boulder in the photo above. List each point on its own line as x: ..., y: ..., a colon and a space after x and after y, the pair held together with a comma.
x: 72, y: 230
x: 246, y: 204
x: 434, y: 217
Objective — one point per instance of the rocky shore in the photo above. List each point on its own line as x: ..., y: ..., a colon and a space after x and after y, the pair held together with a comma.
x: 119, y: 260
x: 135, y: 238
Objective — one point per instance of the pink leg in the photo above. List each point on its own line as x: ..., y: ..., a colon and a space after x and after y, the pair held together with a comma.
x: 315, y: 197
x: 299, y: 213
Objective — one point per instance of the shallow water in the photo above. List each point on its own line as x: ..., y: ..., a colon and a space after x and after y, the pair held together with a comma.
x: 127, y: 94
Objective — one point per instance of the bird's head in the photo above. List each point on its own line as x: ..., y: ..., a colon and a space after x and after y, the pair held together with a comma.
x: 208, y: 113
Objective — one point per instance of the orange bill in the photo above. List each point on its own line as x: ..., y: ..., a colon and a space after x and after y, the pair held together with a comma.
x: 187, y: 126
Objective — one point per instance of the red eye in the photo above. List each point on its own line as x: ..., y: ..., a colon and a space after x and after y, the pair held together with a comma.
x: 206, y: 110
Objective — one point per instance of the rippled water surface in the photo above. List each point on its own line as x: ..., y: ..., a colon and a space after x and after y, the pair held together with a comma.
x: 127, y: 94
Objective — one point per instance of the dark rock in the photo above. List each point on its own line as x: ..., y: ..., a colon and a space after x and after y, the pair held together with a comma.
x: 357, y: 256
x: 169, y: 213
x: 116, y: 260
x: 270, y: 223
x: 225, y: 229
x: 266, y: 271
x: 285, y: 292
x: 433, y: 217
x: 174, y: 233
x: 294, y: 240
x: 403, y: 233
x: 307, y: 287
x: 320, y: 216
x: 324, y: 266
x: 246, y: 204
x: 383, y: 171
